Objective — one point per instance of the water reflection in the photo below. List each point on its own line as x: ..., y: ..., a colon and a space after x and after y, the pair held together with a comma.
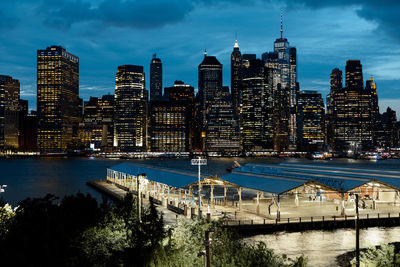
x: 322, y: 247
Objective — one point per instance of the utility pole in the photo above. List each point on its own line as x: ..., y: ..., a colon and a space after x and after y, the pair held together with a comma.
x: 199, y: 189
x: 357, y: 235
x: 207, y: 243
x: 199, y: 161
x: 138, y: 196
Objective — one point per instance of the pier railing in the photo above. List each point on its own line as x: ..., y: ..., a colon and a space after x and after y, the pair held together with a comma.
x: 312, y: 219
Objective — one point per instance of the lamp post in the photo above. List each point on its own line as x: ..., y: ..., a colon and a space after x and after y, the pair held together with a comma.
x: 357, y: 234
x: 2, y: 188
x: 139, y: 197
x: 199, y: 161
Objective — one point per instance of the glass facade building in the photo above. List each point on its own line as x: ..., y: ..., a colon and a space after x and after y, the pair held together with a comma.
x: 130, y: 113
x: 171, y: 120
x: 9, y: 112
x: 311, y: 121
x: 97, y: 127
x: 57, y: 98
x: 222, y: 129
x: 155, y: 78
x: 236, y: 65
x: 353, y: 112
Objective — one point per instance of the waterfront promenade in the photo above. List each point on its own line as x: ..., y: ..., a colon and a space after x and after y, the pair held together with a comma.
x: 304, y: 205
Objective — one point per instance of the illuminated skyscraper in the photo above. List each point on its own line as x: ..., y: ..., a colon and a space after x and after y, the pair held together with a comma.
x: 354, y: 75
x: 283, y: 62
x: 386, y: 130
x: 130, y: 114
x: 172, y: 118
x: 353, y: 112
x: 336, y: 84
x: 311, y: 123
x: 210, y: 79
x: 97, y: 128
x: 9, y: 112
x: 155, y: 78
x: 256, y: 107
x: 222, y: 129
x: 57, y: 98
x: 210, y: 82
x: 236, y: 65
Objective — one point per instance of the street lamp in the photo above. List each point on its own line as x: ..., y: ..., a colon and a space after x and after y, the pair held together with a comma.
x: 2, y: 188
x: 139, y: 185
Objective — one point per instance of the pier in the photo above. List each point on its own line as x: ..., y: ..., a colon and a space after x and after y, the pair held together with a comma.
x: 259, y: 198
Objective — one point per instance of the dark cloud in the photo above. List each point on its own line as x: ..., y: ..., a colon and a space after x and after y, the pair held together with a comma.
x: 119, y: 13
x: 384, y: 13
x: 62, y: 14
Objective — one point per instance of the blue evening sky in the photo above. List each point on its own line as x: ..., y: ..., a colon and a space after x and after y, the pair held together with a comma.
x: 108, y: 33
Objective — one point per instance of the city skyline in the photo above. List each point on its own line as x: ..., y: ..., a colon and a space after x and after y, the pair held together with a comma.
x: 180, y: 52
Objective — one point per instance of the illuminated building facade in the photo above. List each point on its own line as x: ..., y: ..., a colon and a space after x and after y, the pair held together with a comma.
x: 283, y: 62
x: 210, y: 82
x: 236, y: 65
x: 222, y: 129
x: 57, y: 98
x: 9, y: 112
x: 256, y: 107
x: 354, y: 112
x: 130, y: 113
x: 386, y: 131
x: 311, y: 123
x: 336, y: 82
x: 97, y: 128
x: 171, y: 119
x: 155, y: 78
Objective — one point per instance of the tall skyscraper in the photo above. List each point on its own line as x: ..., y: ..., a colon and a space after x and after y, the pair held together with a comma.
x: 155, y: 78
x: 386, y: 130
x: 283, y: 62
x: 222, y: 129
x: 353, y: 112
x: 210, y: 79
x: 354, y: 75
x: 172, y: 119
x: 310, y: 120
x: 130, y: 114
x: 256, y: 107
x: 9, y: 112
x: 336, y: 82
x: 236, y: 65
x: 57, y: 98
x: 210, y: 82
x: 336, y: 79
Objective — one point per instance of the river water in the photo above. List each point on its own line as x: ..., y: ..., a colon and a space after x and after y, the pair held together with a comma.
x: 29, y: 177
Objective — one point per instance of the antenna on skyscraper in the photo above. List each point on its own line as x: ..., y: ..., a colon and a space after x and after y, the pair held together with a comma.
x: 205, y: 52
x: 281, y: 25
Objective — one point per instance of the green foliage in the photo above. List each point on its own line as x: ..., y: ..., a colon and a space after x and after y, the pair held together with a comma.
x: 6, y: 216
x: 42, y: 230
x: 76, y: 231
x: 186, y: 244
x: 383, y: 256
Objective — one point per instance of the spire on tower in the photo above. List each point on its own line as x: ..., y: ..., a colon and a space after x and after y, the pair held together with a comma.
x: 205, y: 52
x: 236, y: 44
x: 281, y: 26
